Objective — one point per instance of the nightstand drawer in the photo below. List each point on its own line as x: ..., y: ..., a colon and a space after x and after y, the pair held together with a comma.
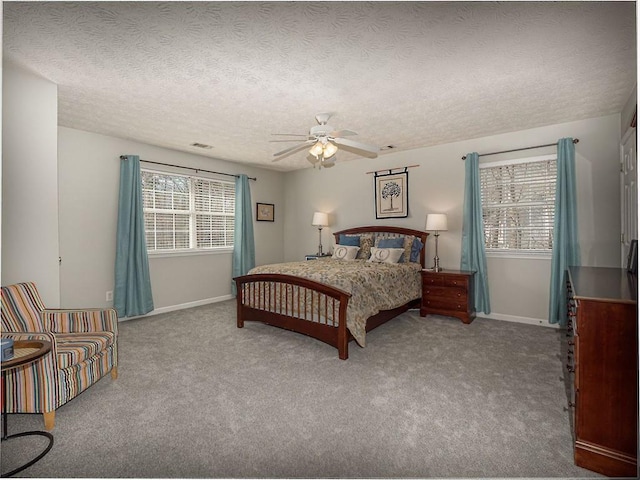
x: 449, y: 304
x: 434, y: 293
x: 448, y: 280
x: 456, y: 281
x: 432, y: 279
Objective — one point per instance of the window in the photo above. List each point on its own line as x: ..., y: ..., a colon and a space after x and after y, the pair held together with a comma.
x: 183, y: 213
x: 518, y: 199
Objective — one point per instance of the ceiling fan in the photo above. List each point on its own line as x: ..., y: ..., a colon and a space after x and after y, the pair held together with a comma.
x: 323, y: 143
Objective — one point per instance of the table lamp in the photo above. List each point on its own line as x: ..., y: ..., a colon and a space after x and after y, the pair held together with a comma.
x: 436, y: 222
x: 320, y: 220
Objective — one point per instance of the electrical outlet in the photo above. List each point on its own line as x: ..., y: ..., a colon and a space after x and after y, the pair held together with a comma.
x: 110, y: 296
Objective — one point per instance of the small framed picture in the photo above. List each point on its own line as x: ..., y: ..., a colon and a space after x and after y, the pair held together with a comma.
x: 265, y: 212
x: 632, y: 259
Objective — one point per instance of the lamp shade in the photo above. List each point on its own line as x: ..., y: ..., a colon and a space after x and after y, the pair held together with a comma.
x: 320, y: 219
x: 437, y: 222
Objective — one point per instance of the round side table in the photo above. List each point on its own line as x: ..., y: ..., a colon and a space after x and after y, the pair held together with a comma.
x: 24, y: 352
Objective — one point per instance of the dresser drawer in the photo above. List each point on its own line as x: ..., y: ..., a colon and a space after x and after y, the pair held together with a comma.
x: 459, y: 294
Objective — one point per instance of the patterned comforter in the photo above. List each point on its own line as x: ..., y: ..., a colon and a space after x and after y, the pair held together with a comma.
x: 373, y: 286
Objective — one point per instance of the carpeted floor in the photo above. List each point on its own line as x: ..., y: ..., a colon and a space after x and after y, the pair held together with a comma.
x: 427, y: 398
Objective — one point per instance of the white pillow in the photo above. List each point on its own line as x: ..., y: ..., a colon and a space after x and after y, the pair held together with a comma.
x: 345, y: 252
x: 385, y: 255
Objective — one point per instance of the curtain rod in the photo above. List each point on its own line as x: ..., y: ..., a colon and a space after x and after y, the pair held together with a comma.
x: 390, y: 169
x: 575, y: 140
x: 123, y: 157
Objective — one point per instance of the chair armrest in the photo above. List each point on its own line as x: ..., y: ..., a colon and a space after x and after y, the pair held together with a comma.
x: 44, y: 371
x: 81, y: 320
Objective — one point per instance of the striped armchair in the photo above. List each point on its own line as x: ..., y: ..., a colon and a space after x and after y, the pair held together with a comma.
x: 84, y: 348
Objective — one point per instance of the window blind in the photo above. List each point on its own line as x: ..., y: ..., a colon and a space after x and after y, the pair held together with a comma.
x: 518, y: 201
x: 183, y: 212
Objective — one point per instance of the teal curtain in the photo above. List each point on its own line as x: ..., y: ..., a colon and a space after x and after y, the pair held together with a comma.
x: 132, y: 292
x: 244, y: 250
x: 473, y: 257
x: 566, y: 251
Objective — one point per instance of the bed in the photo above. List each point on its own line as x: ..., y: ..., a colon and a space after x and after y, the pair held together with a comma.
x: 336, y: 301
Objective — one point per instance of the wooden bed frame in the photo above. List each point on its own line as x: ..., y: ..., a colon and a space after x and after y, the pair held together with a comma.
x: 256, y: 292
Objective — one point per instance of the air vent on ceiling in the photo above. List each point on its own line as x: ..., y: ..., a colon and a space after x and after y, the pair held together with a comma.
x: 201, y: 145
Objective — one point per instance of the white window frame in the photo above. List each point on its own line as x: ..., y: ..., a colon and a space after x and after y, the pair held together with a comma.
x: 192, y: 250
x: 513, y: 252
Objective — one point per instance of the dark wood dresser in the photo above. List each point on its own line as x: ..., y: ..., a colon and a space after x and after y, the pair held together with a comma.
x: 449, y: 293
x: 603, y: 362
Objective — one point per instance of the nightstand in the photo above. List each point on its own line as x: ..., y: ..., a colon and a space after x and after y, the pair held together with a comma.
x: 315, y: 256
x: 448, y: 293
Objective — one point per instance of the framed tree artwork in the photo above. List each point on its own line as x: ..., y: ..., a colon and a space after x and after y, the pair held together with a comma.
x: 391, y: 195
x: 265, y: 212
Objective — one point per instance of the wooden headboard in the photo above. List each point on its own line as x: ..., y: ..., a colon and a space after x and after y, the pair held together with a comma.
x: 421, y: 234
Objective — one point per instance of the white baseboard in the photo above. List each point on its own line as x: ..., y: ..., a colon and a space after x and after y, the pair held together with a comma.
x: 181, y: 306
x: 516, y: 319
x: 492, y: 316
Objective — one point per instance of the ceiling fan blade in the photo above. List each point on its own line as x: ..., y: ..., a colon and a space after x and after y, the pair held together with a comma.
x: 342, y: 133
x: 371, y: 150
x: 290, y: 150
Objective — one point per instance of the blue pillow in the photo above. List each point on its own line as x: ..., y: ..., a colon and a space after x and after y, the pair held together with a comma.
x: 396, y: 242
x: 349, y: 241
x: 393, y: 242
x: 416, y: 247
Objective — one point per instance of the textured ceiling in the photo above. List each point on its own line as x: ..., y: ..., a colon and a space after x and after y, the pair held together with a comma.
x: 407, y: 74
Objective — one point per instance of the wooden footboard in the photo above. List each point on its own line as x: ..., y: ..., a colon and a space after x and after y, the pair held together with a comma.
x: 296, y: 304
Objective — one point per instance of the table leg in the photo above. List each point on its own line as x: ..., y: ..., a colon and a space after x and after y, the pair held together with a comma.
x: 4, y: 406
x: 6, y: 437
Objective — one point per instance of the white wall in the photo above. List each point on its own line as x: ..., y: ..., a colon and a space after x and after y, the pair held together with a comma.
x: 29, y: 182
x: 89, y: 169
x: 519, y: 288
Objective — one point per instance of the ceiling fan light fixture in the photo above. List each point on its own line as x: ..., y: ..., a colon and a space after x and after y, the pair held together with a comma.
x: 316, y: 150
x: 325, y: 142
x: 329, y: 150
